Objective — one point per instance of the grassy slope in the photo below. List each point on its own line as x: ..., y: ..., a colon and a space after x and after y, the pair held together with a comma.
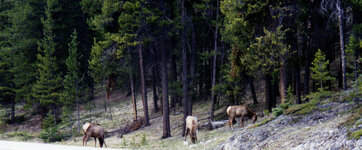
x: 122, y: 113
x: 121, y: 110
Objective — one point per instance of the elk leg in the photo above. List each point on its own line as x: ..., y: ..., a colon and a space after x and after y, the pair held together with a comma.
x: 86, y: 139
x: 104, y: 142
x: 95, y: 142
x: 242, y: 122
x: 230, y: 122
x: 186, y: 133
x: 83, y: 139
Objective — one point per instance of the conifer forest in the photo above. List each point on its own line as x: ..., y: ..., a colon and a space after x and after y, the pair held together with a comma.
x: 138, y: 68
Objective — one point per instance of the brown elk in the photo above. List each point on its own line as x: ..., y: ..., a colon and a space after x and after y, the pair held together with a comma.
x: 191, y: 128
x: 93, y: 130
x: 240, y: 111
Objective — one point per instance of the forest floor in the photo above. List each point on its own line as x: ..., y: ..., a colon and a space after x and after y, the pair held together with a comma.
x: 120, y: 112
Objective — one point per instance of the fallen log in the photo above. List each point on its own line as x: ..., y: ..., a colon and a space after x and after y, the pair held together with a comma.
x: 211, y: 125
x: 129, y: 127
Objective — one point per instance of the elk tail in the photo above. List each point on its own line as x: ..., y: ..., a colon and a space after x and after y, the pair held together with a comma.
x: 228, y: 110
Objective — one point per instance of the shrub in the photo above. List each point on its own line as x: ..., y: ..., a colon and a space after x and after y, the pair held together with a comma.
x: 357, y: 134
x: 277, y: 111
x: 50, y: 131
x: 301, y: 109
x: 144, y: 140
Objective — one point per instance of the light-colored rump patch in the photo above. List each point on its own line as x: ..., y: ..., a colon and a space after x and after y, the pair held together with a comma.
x: 86, y: 126
x: 228, y: 110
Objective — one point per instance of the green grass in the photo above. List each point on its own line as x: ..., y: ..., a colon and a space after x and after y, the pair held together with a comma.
x: 23, y: 136
x: 265, y: 121
x: 356, y: 114
x: 356, y: 135
x: 301, y: 109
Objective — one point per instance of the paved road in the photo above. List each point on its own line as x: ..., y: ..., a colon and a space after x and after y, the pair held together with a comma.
x: 11, y: 145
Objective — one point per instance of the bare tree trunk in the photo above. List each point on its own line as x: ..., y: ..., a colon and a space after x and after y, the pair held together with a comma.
x: 133, y: 95
x: 184, y: 64
x: 166, y: 111
x: 283, y: 82
x: 154, y: 89
x: 268, y: 92
x: 143, y: 86
x: 341, y: 43
x: 356, y: 99
x: 308, y: 52
x: 12, y: 109
x: 252, y: 89
x: 192, y: 69
x: 77, y: 103
x: 213, y: 80
x: 173, y: 79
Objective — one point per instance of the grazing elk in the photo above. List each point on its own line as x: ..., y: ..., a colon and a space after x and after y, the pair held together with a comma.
x: 240, y: 111
x: 191, y: 128
x: 93, y: 130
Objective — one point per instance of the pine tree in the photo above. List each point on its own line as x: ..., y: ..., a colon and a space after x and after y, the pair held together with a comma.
x: 47, y: 88
x: 72, y: 79
x: 319, y: 69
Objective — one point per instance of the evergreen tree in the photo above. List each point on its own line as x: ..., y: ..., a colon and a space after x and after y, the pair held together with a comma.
x: 47, y: 88
x: 72, y: 79
x: 319, y: 69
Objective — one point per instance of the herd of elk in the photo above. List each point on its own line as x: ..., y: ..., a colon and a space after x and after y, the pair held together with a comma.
x: 96, y: 131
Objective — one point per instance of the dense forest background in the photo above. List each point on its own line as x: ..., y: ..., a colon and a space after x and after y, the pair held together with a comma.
x: 54, y: 53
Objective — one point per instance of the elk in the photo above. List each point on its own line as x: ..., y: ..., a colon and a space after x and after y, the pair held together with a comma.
x: 93, y: 130
x: 191, y: 128
x: 240, y: 111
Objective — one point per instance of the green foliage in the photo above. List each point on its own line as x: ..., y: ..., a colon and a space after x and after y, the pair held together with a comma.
x: 265, y: 121
x: 301, y: 109
x: 124, y: 142
x: 319, y: 69
x: 50, y: 131
x: 47, y: 88
x: 267, y: 53
x: 266, y: 112
x: 277, y: 111
x: 23, y: 136
x: 143, y: 140
x: 290, y: 97
x: 73, y: 77
x: 356, y: 134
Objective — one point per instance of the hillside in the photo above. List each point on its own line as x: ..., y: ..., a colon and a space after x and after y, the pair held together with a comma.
x: 328, y: 125
x: 325, y: 128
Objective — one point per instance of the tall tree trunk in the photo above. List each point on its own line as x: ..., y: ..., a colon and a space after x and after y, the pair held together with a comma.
x: 268, y: 92
x: 283, y: 81
x: 341, y: 43
x: 154, y: 89
x: 132, y: 88
x: 356, y: 99
x: 12, y: 109
x: 275, y: 93
x: 299, y: 52
x: 91, y: 89
x: 184, y: 64
x: 252, y: 90
x: 165, y: 107
x: 298, y: 84
x: 192, y: 67
x: 143, y: 86
x: 213, y: 80
x: 105, y: 93
x: 173, y: 79
x: 77, y: 103
x: 308, y: 50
